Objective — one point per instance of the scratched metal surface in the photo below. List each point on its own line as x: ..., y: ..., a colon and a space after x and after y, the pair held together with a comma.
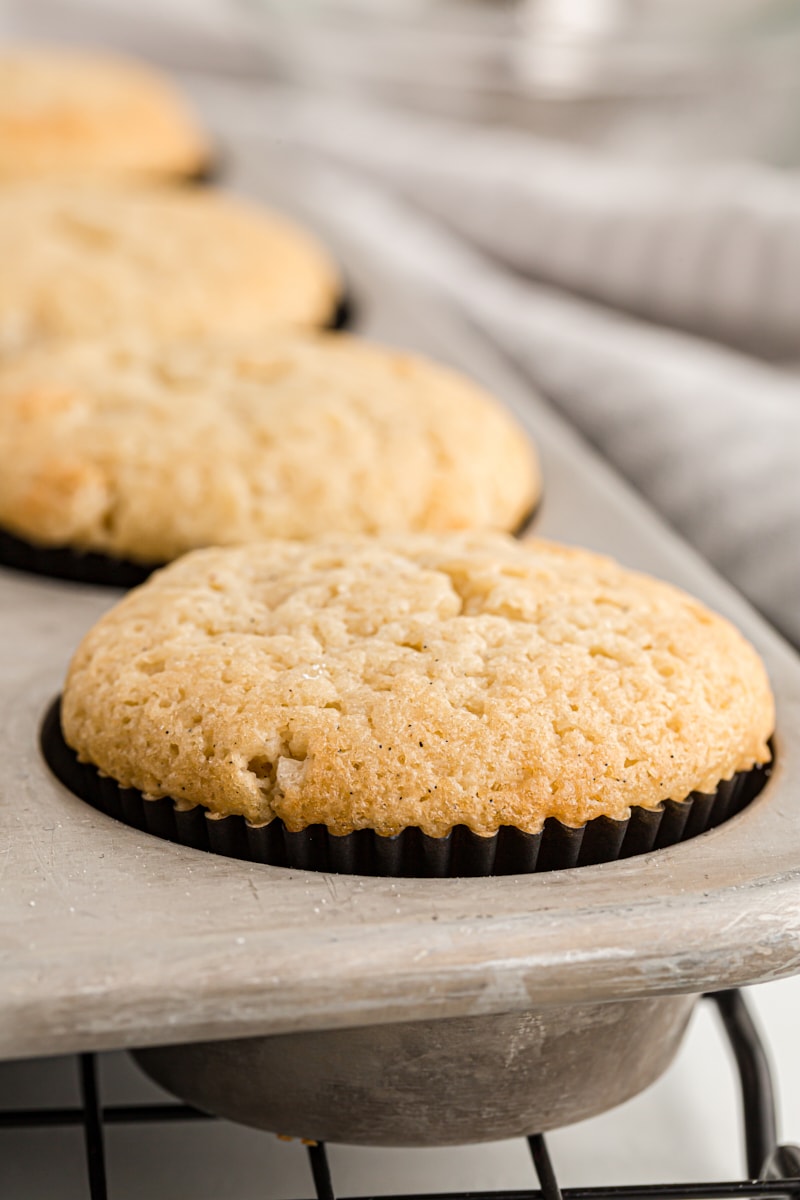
x: 111, y: 938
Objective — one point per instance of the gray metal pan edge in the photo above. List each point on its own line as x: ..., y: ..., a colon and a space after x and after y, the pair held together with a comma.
x: 111, y: 938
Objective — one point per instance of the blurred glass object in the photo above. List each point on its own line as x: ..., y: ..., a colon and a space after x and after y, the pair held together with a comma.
x: 689, y: 77
x: 682, y: 79
x: 434, y: 54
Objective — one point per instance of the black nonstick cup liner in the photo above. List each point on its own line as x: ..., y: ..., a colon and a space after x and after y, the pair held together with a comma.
x: 411, y: 854
x: 62, y: 562
x: 209, y: 173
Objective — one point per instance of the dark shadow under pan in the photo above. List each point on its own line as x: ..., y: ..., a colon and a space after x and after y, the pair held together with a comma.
x: 410, y: 853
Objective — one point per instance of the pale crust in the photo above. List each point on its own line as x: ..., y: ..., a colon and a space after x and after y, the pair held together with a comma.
x: 64, y: 112
x: 415, y: 681
x: 173, y: 262
x: 144, y: 450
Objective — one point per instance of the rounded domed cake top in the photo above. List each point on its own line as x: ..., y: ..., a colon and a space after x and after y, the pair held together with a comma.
x: 426, y: 681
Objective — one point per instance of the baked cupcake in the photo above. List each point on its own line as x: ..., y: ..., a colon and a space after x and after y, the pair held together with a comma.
x: 376, y: 697
x: 66, y: 112
x: 174, y: 262
x: 141, y: 450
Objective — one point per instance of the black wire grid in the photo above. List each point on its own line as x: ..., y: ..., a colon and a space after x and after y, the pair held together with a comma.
x: 772, y: 1170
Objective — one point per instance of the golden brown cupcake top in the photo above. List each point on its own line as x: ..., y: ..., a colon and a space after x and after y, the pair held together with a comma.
x: 67, y: 112
x: 415, y: 681
x: 144, y: 450
x: 173, y: 262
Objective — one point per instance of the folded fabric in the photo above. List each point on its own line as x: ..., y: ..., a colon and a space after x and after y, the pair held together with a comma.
x: 710, y: 436
x: 714, y: 250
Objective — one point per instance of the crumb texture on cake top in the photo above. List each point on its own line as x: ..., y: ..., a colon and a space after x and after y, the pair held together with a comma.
x: 83, y: 259
x: 415, y: 681
x: 68, y: 112
x: 143, y: 451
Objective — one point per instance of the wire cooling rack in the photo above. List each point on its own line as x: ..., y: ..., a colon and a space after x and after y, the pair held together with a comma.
x: 773, y: 1170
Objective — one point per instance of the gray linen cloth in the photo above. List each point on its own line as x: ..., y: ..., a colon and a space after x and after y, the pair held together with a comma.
x: 658, y: 307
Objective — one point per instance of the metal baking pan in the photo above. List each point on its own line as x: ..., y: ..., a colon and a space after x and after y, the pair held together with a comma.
x: 112, y: 938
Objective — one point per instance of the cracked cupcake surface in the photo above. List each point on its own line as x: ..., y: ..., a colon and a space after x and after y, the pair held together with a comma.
x: 143, y: 450
x: 85, y: 259
x: 415, y: 681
